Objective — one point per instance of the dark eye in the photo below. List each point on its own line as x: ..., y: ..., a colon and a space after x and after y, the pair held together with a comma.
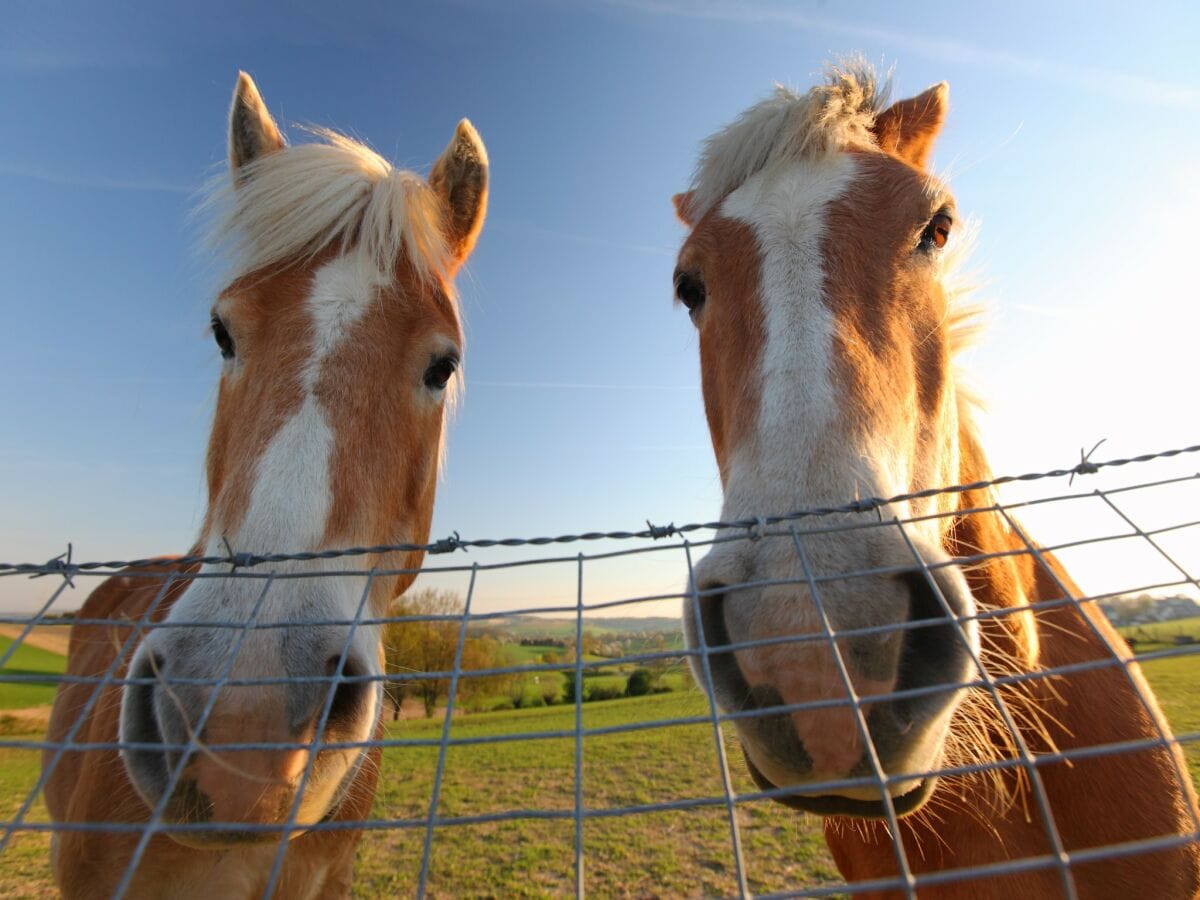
x: 221, y: 336
x: 440, y: 371
x: 689, y: 290
x: 937, y: 232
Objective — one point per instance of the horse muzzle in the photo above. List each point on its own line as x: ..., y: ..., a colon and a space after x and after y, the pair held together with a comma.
x: 832, y: 707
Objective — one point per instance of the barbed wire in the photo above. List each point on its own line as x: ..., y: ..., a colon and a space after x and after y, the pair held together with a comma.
x: 727, y: 794
x: 62, y: 564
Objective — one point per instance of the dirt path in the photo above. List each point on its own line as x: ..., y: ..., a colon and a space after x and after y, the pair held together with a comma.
x: 45, y: 637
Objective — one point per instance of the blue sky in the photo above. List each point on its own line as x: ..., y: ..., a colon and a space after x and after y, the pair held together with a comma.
x: 1072, y: 139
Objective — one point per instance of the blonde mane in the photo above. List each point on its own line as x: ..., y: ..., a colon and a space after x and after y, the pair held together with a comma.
x: 788, y: 126
x: 285, y: 207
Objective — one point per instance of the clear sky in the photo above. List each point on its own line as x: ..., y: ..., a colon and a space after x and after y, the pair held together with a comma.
x: 1072, y: 139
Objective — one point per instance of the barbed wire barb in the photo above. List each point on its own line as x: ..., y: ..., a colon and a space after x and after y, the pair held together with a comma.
x: 59, y: 565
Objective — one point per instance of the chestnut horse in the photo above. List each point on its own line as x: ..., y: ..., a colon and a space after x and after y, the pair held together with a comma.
x: 341, y: 339
x: 817, y: 272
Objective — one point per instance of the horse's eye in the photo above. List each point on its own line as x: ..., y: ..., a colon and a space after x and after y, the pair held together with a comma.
x: 440, y: 372
x: 937, y: 232
x: 221, y: 336
x: 689, y: 290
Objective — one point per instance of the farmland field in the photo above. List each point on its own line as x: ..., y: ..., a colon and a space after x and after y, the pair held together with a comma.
x: 1162, y: 633
x: 29, y: 660
x: 680, y: 851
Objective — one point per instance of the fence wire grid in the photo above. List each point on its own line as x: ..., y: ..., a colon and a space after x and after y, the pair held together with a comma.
x: 645, y: 797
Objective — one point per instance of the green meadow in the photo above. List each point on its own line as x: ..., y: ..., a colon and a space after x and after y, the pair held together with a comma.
x: 532, y: 774
x: 1156, y: 635
x: 32, y: 661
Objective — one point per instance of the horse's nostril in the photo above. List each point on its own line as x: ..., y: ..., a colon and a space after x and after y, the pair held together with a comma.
x: 139, y: 698
x: 727, y: 678
x: 935, y: 650
x: 351, y: 697
x: 140, y: 731
x: 710, y: 599
x: 147, y: 667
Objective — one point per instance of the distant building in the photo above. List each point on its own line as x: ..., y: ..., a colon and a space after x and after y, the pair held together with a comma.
x: 1145, y: 608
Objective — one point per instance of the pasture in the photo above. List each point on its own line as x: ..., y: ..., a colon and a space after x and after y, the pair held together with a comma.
x: 670, y: 852
x: 29, y: 660
x: 1157, y: 635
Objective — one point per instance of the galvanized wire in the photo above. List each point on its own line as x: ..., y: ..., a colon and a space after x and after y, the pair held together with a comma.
x: 63, y: 566
x: 797, y: 528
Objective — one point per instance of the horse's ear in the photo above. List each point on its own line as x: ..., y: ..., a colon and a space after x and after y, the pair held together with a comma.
x: 684, y: 208
x: 909, y: 127
x: 460, y: 179
x: 252, y: 132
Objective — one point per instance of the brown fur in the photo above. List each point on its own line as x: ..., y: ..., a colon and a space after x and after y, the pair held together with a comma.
x: 1095, y: 802
x: 895, y: 336
x: 729, y: 323
x: 908, y: 129
x: 394, y: 454
x: 90, y: 864
x: 891, y: 348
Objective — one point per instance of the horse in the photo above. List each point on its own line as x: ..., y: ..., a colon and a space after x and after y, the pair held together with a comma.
x: 931, y: 685
x: 341, y: 342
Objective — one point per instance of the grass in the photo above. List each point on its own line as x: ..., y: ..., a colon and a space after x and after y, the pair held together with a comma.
x: 528, y: 654
x: 1174, y: 680
x: 651, y: 853
x: 29, y: 660
x: 1157, y: 635
x: 25, y: 865
x: 660, y: 853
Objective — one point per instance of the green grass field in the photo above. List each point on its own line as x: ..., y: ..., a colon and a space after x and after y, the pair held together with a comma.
x: 29, y: 660
x: 663, y: 853
x: 1156, y: 635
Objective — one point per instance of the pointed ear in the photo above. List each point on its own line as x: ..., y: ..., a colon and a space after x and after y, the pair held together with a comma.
x: 252, y: 132
x: 908, y: 128
x: 684, y: 208
x: 460, y: 179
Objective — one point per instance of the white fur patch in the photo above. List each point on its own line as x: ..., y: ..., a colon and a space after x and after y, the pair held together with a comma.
x: 290, y: 502
x: 786, y: 210
x: 292, y: 495
x: 342, y: 291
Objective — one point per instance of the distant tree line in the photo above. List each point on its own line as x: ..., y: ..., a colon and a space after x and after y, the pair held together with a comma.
x: 422, y: 639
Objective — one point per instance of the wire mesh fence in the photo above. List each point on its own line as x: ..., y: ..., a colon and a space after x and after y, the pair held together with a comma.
x: 561, y: 791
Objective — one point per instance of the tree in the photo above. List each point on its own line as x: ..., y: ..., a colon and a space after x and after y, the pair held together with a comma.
x: 486, y: 653
x: 640, y: 682
x: 418, y: 646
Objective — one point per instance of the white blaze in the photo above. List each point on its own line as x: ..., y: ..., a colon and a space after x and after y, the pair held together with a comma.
x: 291, y: 498
x: 786, y: 210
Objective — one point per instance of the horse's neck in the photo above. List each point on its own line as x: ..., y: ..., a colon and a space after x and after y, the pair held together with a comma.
x: 1095, y: 800
x: 1046, y: 629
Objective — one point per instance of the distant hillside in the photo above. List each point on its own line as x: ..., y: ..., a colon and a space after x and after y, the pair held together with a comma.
x: 564, y: 626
